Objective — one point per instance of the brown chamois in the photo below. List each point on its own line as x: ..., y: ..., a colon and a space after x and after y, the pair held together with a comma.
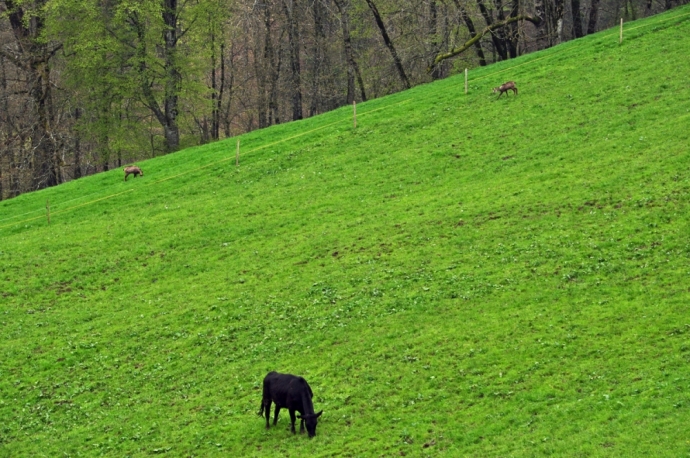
x: 133, y: 170
x: 505, y: 87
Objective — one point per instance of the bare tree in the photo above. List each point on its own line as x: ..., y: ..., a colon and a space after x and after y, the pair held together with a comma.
x: 469, y: 23
x: 32, y: 55
x: 577, y: 18
x: 289, y: 7
x: 352, y: 67
x: 389, y: 44
x: 593, y: 16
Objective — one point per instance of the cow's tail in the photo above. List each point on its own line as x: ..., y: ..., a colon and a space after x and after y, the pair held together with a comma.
x: 265, y: 399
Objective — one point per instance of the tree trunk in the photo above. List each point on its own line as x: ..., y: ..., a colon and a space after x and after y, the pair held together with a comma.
x: 214, y: 90
x: 501, y: 34
x: 433, y: 37
x: 555, y: 10
x: 352, y: 67
x: 347, y: 45
x: 106, y: 161
x: 551, y: 28
x: 15, y: 181
x: 593, y: 17
x: 264, y: 70
x: 5, y: 129
x: 513, y: 36
x: 389, y: 44
x: 219, y: 105
x: 227, y: 131
x: 499, y: 46
x: 360, y: 83
x: 630, y: 10
x: 76, y: 171
x: 8, y: 132
x: 273, y: 61
x: 274, y: 113
x: 34, y: 59
x: 167, y: 117
x: 473, y: 32
x: 293, y: 42
x: 317, y: 55
x: 173, y: 76
x: 577, y: 18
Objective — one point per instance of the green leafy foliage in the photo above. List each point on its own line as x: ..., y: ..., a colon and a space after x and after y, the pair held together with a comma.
x: 116, y: 54
x: 459, y: 276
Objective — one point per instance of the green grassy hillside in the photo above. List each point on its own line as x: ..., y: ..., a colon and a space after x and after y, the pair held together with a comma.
x: 459, y: 276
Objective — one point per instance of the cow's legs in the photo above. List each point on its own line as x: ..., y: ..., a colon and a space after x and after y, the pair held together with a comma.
x: 267, y: 407
x: 292, y: 421
x: 275, y: 416
x: 301, y: 426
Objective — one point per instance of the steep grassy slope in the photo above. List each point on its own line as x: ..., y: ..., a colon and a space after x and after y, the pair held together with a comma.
x: 459, y: 276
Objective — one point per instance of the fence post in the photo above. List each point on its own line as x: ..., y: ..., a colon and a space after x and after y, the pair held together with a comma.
x: 620, y: 40
x: 237, y: 155
x: 354, y: 113
x: 48, y: 210
x: 465, y: 81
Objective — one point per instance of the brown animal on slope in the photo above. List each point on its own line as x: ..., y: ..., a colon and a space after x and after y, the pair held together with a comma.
x: 505, y: 87
x: 133, y: 170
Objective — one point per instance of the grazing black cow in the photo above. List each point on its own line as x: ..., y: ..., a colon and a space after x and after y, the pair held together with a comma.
x: 293, y: 393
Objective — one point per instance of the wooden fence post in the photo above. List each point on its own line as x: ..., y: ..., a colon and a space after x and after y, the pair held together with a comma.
x: 237, y: 155
x: 48, y: 210
x: 465, y: 81
x: 354, y: 113
x: 620, y: 40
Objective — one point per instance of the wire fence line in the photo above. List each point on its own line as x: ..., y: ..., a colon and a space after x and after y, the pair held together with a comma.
x: 577, y: 44
x: 40, y: 209
x: 186, y: 172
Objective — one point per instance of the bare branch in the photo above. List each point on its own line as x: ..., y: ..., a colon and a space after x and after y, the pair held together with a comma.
x: 496, y: 25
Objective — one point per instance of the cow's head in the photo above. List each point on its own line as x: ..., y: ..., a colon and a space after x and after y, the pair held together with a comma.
x: 310, y: 422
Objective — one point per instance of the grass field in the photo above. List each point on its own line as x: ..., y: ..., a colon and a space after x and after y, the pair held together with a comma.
x: 459, y: 276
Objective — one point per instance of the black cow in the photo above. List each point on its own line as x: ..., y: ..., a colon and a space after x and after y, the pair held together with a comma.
x: 293, y: 393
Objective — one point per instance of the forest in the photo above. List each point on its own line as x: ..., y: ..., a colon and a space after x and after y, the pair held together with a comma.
x: 91, y: 85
